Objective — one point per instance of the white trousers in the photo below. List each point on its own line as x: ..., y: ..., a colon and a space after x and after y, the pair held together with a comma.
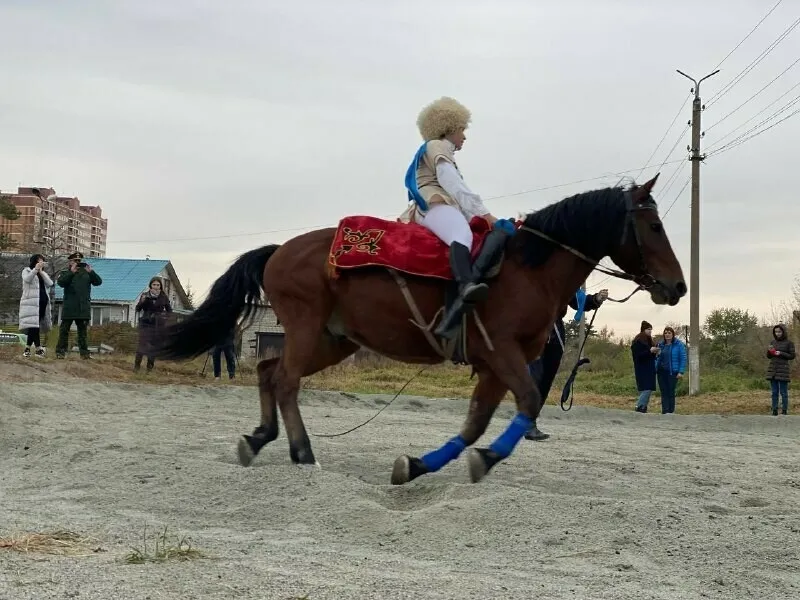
x: 448, y: 224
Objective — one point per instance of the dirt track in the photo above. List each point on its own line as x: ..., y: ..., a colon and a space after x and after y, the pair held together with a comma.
x: 616, y: 505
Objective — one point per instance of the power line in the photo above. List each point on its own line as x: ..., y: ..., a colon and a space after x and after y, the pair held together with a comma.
x: 678, y: 195
x: 754, y: 95
x: 675, y: 145
x: 755, y: 127
x: 310, y: 227
x: 743, y: 73
x: 663, y: 137
x: 727, y: 56
x: 672, y: 179
x: 734, y: 143
x: 763, y: 110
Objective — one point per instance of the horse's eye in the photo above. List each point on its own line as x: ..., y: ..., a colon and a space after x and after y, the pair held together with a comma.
x: 657, y: 227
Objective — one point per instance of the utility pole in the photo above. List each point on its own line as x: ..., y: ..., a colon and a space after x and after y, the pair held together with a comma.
x: 694, y: 278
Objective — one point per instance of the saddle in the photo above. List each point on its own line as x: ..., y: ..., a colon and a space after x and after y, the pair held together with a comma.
x: 411, y: 249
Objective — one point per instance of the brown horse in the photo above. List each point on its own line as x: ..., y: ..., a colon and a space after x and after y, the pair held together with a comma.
x: 327, y: 319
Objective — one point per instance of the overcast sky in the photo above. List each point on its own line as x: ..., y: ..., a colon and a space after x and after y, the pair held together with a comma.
x: 256, y: 119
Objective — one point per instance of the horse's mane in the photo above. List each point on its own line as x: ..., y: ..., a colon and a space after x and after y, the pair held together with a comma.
x: 590, y: 222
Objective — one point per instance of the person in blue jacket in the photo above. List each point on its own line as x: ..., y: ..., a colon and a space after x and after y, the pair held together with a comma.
x: 670, y: 367
x: 543, y: 370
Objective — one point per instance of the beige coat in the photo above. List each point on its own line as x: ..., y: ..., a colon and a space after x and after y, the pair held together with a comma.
x: 427, y: 183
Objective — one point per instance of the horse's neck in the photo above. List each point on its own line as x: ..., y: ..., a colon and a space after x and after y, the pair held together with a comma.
x: 568, y: 274
x: 553, y: 284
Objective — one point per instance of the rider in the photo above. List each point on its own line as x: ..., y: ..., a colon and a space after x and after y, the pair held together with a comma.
x: 543, y: 370
x: 443, y: 204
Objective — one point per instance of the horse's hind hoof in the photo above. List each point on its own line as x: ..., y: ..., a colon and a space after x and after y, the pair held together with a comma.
x: 480, y: 461
x: 245, y: 452
x: 407, y: 468
x: 315, y: 466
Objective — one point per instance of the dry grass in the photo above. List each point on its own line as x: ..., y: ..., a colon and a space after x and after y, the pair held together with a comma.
x: 60, y: 543
x: 599, y: 388
x: 162, y: 549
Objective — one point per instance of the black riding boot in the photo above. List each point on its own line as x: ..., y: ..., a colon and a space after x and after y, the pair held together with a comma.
x: 468, y: 275
x: 536, y: 435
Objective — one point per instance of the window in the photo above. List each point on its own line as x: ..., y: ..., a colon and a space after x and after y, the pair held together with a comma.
x: 100, y: 315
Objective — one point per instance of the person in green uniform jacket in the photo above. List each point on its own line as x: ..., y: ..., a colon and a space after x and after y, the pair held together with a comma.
x: 77, y: 282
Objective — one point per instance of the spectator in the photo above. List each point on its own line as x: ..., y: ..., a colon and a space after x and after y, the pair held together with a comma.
x: 644, y: 353
x: 226, y: 347
x: 670, y: 366
x: 34, y: 313
x: 154, y: 305
x: 780, y: 352
x: 77, y: 282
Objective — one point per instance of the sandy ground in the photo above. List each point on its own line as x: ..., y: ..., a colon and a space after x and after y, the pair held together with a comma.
x: 615, y: 505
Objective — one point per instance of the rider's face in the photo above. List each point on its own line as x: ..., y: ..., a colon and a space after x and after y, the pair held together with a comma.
x: 458, y: 138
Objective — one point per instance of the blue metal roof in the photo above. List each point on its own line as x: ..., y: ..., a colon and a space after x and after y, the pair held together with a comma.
x: 123, y: 278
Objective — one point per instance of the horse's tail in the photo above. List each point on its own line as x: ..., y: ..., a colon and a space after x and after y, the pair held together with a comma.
x: 235, y: 294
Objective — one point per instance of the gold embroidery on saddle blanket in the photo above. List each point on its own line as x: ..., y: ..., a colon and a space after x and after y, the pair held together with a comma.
x: 360, y: 241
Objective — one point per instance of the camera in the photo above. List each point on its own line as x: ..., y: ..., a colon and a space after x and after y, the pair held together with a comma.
x: 82, y: 264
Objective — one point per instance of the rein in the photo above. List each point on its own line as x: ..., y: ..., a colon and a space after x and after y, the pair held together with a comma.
x: 645, y: 280
x: 581, y: 255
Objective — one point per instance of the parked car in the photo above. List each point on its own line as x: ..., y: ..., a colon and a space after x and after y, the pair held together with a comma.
x: 12, y: 338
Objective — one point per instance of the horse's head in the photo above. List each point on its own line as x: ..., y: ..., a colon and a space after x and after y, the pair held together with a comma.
x: 645, y: 251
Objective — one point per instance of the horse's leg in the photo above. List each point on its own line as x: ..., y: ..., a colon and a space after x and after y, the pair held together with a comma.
x: 486, y: 396
x: 510, y: 368
x: 267, y: 431
x: 329, y: 351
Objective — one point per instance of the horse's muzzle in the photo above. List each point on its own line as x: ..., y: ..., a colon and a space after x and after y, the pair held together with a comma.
x: 667, y: 293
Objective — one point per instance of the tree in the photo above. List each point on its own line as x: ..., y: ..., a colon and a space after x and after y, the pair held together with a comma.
x: 10, y: 212
x: 606, y: 334
x: 573, y: 327
x: 189, y: 295
x: 723, y: 324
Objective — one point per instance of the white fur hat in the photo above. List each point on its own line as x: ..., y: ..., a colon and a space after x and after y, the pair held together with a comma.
x: 441, y: 117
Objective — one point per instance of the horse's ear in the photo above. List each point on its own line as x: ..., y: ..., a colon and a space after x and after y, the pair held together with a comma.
x: 648, y: 186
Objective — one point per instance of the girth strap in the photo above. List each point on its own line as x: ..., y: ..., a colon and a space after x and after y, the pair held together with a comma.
x: 445, y: 350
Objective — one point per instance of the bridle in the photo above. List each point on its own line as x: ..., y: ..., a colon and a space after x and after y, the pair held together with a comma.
x: 645, y: 280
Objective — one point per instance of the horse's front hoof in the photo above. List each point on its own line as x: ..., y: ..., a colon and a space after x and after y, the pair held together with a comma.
x: 245, y: 452
x: 407, y: 468
x: 480, y: 461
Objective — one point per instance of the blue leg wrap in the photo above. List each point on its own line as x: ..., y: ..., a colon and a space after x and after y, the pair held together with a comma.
x: 438, y: 458
x: 506, y: 441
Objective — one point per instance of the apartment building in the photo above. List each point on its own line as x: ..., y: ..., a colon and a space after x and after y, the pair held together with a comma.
x: 53, y: 224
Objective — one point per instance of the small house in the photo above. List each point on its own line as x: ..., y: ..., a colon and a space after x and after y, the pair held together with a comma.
x: 263, y: 336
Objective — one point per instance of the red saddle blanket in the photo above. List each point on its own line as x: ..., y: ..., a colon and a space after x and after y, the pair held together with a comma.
x: 364, y: 241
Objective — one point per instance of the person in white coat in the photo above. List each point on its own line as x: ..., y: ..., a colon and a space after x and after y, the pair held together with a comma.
x: 34, y: 305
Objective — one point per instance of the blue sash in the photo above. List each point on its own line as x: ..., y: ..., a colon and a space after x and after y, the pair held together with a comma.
x: 580, y: 297
x: 411, y: 179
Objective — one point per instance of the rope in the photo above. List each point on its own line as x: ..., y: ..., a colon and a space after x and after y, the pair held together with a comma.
x: 388, y: 404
